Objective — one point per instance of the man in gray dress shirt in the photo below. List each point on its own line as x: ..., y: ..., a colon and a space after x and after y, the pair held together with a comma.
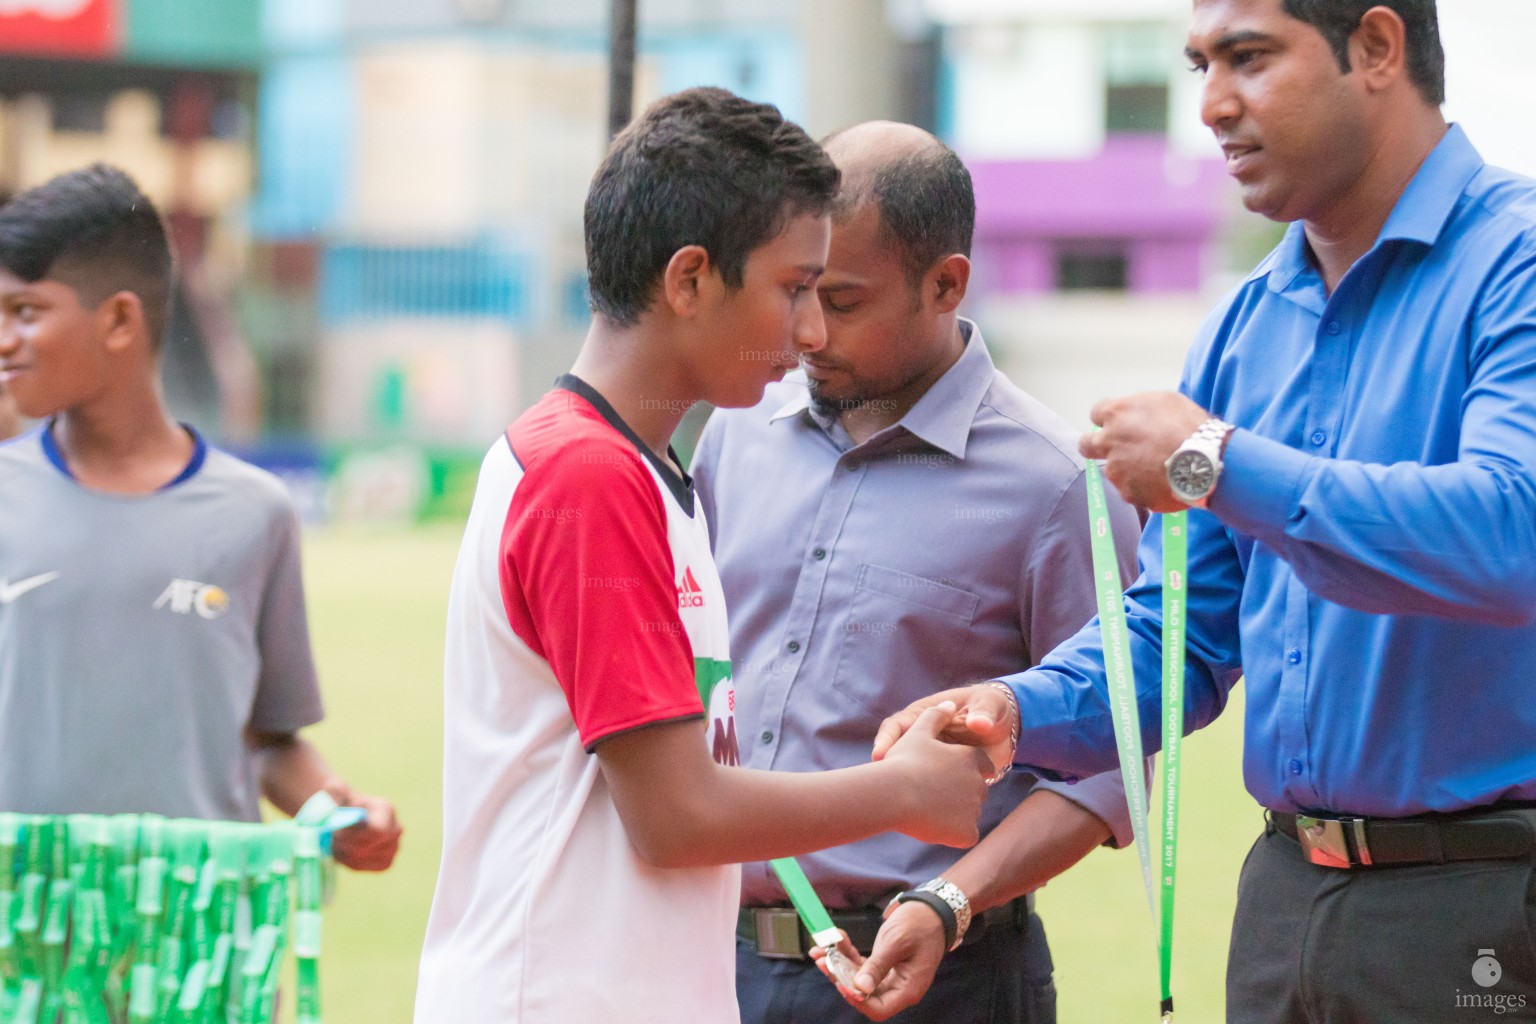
x: 899, y: 520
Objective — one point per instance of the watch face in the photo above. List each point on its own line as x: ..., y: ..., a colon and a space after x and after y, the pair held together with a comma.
x: 1192, y: 475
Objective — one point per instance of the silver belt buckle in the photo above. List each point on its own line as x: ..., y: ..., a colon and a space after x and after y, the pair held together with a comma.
x: 1322, y: 840
x: 778, y: 933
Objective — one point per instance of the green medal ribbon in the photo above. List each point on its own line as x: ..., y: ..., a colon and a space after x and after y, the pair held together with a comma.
x: 1122, y: 698
x: 813, y: 914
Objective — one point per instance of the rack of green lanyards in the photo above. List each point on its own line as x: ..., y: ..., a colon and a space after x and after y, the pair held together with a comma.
x: 136, y: 919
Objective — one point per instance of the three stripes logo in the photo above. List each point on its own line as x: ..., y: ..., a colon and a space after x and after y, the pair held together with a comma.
x: 689, y: 593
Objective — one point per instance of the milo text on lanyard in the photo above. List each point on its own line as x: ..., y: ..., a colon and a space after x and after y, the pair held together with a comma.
x: 1122, y: 699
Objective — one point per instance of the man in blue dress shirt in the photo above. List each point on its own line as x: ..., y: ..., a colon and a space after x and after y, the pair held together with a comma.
x: 1357, y: 422
x: 902, y: 519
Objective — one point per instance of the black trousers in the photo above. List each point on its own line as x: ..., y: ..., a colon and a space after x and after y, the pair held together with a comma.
x: 1002, y: 978
x: 1387, y: 945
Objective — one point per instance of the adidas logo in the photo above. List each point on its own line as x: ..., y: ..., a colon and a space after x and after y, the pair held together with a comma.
x: 689, y: 593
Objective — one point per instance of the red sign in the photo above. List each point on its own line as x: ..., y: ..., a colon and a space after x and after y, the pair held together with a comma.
x: 77, y: 28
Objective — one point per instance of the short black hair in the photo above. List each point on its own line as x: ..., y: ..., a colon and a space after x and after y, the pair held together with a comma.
x: 1338, y: 19
x: 927, y: 206
x: 700, y: 167
x: 94, y: 230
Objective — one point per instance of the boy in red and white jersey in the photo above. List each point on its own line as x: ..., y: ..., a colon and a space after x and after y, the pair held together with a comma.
x: 594, y: 811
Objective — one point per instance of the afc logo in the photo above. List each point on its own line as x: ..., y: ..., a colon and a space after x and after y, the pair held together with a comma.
x: 187, y: 596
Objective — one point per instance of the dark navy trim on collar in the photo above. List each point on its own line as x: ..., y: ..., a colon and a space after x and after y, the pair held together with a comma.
x: 681, y: 487
x: 199, y: 454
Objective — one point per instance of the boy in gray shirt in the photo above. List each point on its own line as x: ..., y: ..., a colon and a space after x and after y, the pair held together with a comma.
x: 154, y: 655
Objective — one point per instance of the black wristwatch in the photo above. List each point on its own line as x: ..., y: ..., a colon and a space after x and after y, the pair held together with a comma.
x: 946, y: 899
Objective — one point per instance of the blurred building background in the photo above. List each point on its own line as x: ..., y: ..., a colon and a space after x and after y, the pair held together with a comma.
x: 378, y: 202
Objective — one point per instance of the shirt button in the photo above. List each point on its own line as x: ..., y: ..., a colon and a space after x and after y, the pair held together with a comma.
x: 794, y: 645
x: 819, y: 554
x: 1294, y: 766
x: 1318, y: 437
x: 767, y: 736
x: 1333, y: 327
x: 1294, y: 657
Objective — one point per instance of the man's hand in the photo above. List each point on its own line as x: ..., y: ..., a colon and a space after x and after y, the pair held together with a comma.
x: 945, y: 783
x: 372, y: 844
x: 901, y: 966
x: 1138, y: 435
x: 984, y: 717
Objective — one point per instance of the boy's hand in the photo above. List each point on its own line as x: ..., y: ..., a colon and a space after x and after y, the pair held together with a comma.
x: 984, y: 718
x: 372, y: 844
x: 945, y: 783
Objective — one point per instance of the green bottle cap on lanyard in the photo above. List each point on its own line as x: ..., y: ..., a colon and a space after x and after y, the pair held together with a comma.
x: 153, y: 921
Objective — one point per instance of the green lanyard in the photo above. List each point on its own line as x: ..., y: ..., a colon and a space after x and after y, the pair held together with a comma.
x: 1122, y: 698
x: 807, y: 904
x: 815, y: 918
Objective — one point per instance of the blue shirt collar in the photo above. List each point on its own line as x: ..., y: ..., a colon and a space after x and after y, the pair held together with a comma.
x: 944, y: 415
x: 1420, y: 215
x: 1429, y: 200
x: 199, y: 454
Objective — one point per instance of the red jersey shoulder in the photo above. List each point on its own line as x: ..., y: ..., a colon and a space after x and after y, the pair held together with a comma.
x: 575, y: 464
x: 564, y: 426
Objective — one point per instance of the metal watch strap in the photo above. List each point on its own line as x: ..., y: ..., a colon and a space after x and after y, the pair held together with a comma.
x: 954, y: 898
x: 1213, y: 429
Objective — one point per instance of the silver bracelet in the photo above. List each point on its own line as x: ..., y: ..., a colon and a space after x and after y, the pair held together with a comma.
x: 1013, y: 747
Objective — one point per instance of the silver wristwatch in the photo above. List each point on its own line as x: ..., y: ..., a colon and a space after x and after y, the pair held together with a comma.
x: 1195, y: 466
x: 950, y: 893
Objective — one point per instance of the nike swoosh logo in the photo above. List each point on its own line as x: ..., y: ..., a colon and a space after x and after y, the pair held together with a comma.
x: 11, y: 591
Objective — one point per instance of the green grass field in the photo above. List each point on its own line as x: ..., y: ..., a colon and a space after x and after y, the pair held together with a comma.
x: 377, y: 606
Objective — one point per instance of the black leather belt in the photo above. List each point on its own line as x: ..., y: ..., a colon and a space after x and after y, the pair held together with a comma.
x: 776, y: 932
x: 1343, y: 842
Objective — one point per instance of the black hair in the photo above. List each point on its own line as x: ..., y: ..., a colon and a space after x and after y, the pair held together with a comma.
x: 94, y: 230
x: 700, y: 167
x: 1338, y: 19
x: 927, y: 206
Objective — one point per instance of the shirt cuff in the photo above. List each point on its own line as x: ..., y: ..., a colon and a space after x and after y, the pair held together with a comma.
x: 1049, y: 741
x: 1103, y: 796
x: 1261, y: 484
